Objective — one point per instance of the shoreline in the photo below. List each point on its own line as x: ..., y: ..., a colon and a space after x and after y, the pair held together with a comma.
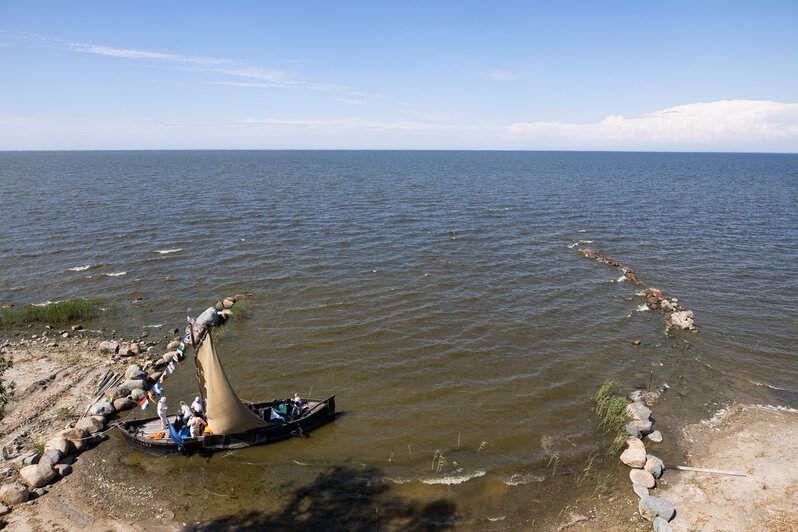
x: 106, y: 492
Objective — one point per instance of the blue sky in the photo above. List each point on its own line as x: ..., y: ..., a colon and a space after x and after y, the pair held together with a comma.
x: 694, y: 76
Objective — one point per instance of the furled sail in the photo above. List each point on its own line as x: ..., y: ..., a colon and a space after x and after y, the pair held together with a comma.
x: 225, y: 412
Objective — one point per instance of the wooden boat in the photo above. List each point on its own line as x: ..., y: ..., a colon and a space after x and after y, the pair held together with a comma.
x: 234, y: 424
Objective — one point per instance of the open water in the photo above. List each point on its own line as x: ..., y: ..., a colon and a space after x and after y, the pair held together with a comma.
x: 438, y: 295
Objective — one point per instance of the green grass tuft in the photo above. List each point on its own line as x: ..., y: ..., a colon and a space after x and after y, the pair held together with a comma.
x: 612, y: 414
x: 60, y: 312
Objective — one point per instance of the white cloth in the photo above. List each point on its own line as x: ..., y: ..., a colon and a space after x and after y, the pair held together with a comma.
x: 196, y: 406
x: 185, y: 411
x: 194, y: 426
x: 275, y: 415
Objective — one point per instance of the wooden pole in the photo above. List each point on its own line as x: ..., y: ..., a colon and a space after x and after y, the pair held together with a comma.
x: 704, y: 470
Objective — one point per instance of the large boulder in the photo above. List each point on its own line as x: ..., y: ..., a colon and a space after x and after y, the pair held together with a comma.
x: 645, y: 426
x: 651, y: 507
x: 51, y: 457
x: 124, y: 403
x: 89, y: 424
x: 137, y: 395
x: 103, y: 407
x: 654, y: 465
x: 634, y: 457
x: 641, y: 476
x: 109, y: 346
x: 131, y: 369
x: 38, y: 475
x: 682, y: 320
x: 59, y: 444
x: 14, y: 493
x: 209, y: 318
x: 116, y: 393
x: 228, y: 302
x: 635, y: 443
x: 638, y: 411
x: 77, y: 437
x: 134, y: 384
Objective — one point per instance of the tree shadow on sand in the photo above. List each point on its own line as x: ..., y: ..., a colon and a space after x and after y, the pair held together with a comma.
x: 343, y: 499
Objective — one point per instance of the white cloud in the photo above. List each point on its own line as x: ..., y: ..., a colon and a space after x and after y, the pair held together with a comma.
x: 725, y: 124
x: 142, y: 54
x: 497, y: 75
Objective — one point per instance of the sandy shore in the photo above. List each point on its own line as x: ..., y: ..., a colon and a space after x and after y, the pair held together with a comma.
x: 55, y: 384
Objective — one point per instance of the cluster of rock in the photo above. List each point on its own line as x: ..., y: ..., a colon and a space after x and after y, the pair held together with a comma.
x: 676, y: 317
x: 37, y: 471
x: 645, y: 468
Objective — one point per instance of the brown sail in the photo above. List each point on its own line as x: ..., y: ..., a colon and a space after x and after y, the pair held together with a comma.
x: 225, y: 412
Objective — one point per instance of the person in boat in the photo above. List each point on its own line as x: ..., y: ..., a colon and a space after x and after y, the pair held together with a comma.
x: 195, y: 424
x: 196, y: 406
x: 162, y: 413
x: 296, y: 410
x: 185, y: 412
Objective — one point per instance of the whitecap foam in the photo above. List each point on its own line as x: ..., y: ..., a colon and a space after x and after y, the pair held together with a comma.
x: 45, y: 303
x: 578, y: 242
x: 620, y: 279
x: 520, y: 479
x: 117, y: 274
x: 778, y: 408
x: 451, y: 480
x: 168, y: 251
x: 642, y: 308
x: 500, y: 518
x: 80, y: 268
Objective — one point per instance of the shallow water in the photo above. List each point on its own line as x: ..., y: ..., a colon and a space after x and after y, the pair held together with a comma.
x: 439, y: 295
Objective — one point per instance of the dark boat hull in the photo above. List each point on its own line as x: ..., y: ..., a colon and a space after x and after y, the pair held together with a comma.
x: 318, y: 413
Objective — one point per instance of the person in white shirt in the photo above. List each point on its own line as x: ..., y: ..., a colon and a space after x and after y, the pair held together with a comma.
x: 162, y: 413
x: 185, y: 411
x: 196, y: 406
x: 194, y: 424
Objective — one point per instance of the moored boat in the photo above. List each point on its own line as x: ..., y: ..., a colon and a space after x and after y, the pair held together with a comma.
x: 233, y: 424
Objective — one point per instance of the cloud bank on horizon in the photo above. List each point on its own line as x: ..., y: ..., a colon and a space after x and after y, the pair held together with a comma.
x: 730, y: 123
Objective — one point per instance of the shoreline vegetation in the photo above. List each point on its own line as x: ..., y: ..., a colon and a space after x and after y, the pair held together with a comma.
x: 54, y: 313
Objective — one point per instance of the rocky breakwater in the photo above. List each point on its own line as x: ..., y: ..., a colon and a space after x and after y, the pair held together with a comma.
x: 645, y: 468
x: 676, y: 317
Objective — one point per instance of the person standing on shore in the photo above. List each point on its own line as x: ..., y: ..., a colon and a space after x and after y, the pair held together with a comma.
x: 162, y: 413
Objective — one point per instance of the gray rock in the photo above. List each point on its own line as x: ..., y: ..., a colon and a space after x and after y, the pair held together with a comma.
x: 645, y: 426
x: 103, y: 408
x: 124, y: 403
x: 37, y: 475
x: 655, y: 436
x: 89, y: 424
x: 126, y: 352
x: 14, y: 493
x: 4, y: 509
x: 661, y: 525
x: 117, y: 392
x: 640, y: 490
x: 77, y: 437
x: 134, y: 384
x: 209, y: 318
x: 63, y: 469
x: 135, y: 373
x: 40, y: 492
x: 31, y: 458
x: 641, y: 476
x: 109, y: 346
x: 51, y: 457
x: 638, y: 411
x: 654, y: 465
x: 137, y: 395
x: 651, y: 507
x: 632, y: 430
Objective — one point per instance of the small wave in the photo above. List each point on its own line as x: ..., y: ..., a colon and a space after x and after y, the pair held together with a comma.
x: 778, y: 408
x: 80, y: 268
x: 581, y: 231
x: 499, y: 210
x: 450, y: 480
x: 45, y: 303
x: 578, y: 242
x: 520, y: 479
x: 642, y: 308
x: 117, y: 274
x: 500, y: 518
x: 620, y: 279
x: 155, y: 326
x: 168, y: 251
x: 399, y: 480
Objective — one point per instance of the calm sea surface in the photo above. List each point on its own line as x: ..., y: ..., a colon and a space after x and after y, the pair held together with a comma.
x: 439, y: 295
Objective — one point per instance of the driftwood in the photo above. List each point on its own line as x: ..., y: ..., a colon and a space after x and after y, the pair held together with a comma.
x: 704, y: 470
